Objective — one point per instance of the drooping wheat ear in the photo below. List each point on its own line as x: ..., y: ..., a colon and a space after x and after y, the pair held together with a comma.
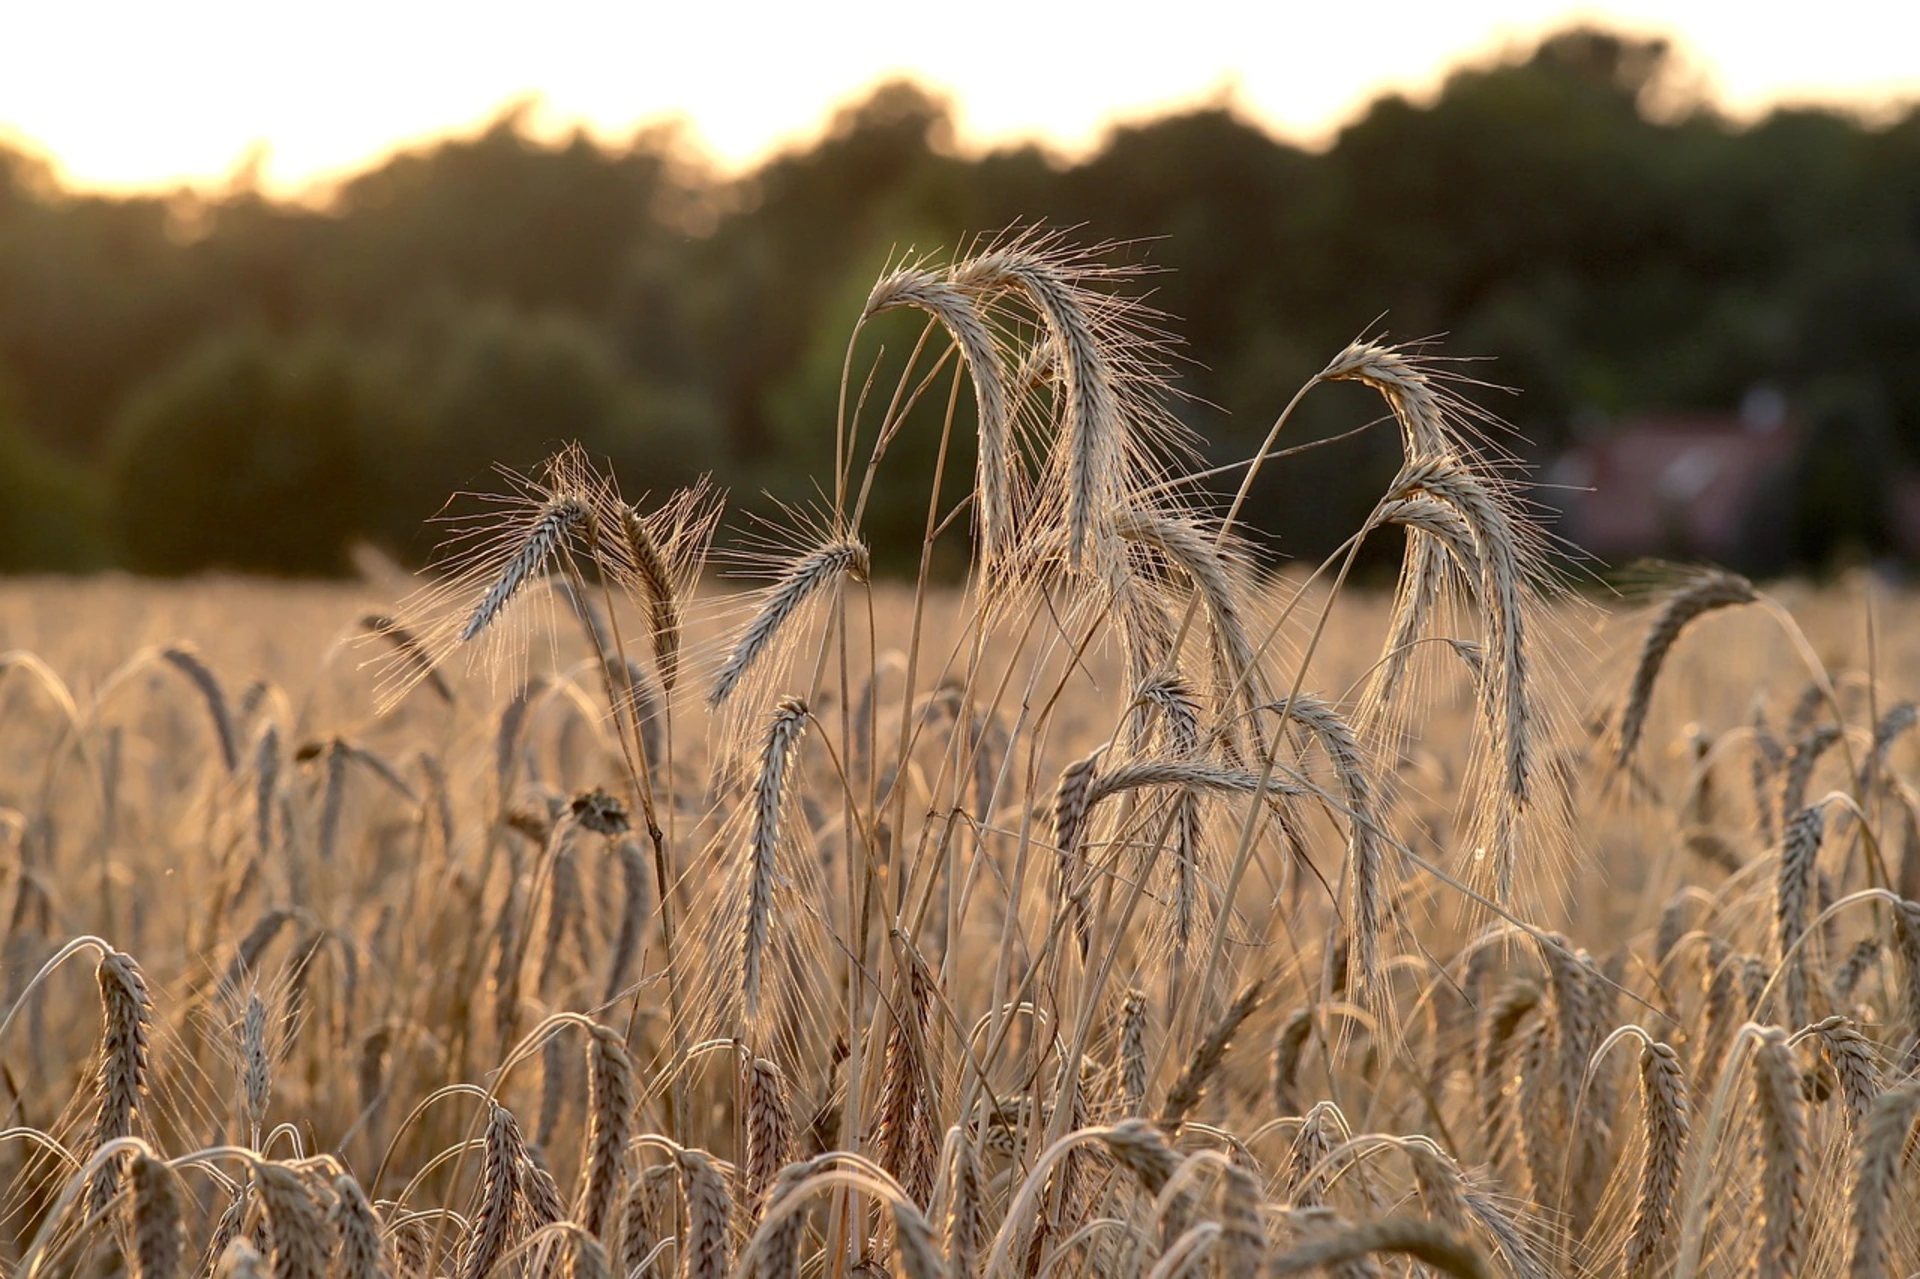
x: 1493, y: 1046
x: 1884, y: 1139
x: 1705, y: 591
x: 184, y: 659
x: 1095, y: 428
x: 1502, y: 553
x: 1288, y: 1045
x: 1860, y: 960
x: 1141, y: 1148
x: 966, y: 1213
x: 357, y: 1253
x: 707, y: 1248
x: 797, y: 583
x: 1441, y: 1183
x: 266, y: 788
x: 499, y: 1191
x: 769, y: 1132
x: 1544, y: 1123
x: 1207, y: 1056
x: 611, y: 1102
x: 774, y: 1254
x: 1212, y: 568
x: 1427, y: 430
x: 1072, y: 800
x: 1576, y: 1019
x: 763, y: 843
x: 1425, y: 1241
x: 904, y: 1140
x: 1664, y: 1109
x: 554, y: 1068
x: 1896, y: 720
x: 241, y: 1260
x: 1806, y: 753
x: 915, y: 1243
x: 651, y: 1216
x: 1178, y: 706
x: 1769, y: 757
x: 1192, y: 774
x: 416, y: 664
x: 126, y: 1015
x: 225, y: 1230
x: 1133, y: 1053
x: 540, y: 1203
x: 559, y: 518
x: 1851, y: 1056
x: 301, y: 1240
x: 1793, y: 892
x: 256, y: 1074
x: 159, y: 1234
x: 651, y: 574
x: 1782, y: 1141
x: 633, y: 917
x: 1714, y: 848
x: 1906, y: 946
x: 959, y: 314
x: 587, y: 1258
x: 1243, y: 1235
x: 1342, y: 746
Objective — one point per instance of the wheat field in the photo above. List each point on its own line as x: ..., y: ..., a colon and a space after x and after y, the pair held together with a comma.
x: 1128, y: 909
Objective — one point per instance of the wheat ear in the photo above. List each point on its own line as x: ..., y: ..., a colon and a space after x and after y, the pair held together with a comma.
x: 1133, y: 1053
x: 357, y: 1253
x: 1207, y: 1056
x: 159, y: 1233
x: 1706, y: 591
x: 904, y: 1139
x: 1342, y: 747
x: 559, y: 517
x: 656, y: 583
x: 800, y: 580
x: 708, y: 1209
x: 959, y: 314
x: 1663, y: 1095
x: 763, y: 841
x: 769, y: 1132
x: 300, y: 1235
x: 966, y: 1213
x: 1095, y: 433
x: 1792, y: 894
x: 611, y: 1102
x: 499, y: 1190
x: 1424, y: 1241
x: 1782, y: 1140
x: 1141, y: 1148
x: 1072, y: 801
x: 126, y: 1015
x: 188, y: 662
x: 1888, y: 1127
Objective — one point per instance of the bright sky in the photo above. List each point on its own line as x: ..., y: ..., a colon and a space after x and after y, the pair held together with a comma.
x: 137, y: 94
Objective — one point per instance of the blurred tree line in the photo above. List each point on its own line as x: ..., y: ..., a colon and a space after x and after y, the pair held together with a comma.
x: 190, y: 381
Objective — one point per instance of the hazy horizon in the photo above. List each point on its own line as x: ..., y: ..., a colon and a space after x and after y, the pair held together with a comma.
x: 217, y: 98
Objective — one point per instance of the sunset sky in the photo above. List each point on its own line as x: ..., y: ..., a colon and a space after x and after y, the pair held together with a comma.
x: 125, y: 96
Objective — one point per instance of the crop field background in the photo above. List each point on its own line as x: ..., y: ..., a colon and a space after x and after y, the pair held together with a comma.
x: 1121, y: 911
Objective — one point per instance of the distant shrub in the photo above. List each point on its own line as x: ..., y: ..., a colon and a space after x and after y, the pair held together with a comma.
x: 249, y: 453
